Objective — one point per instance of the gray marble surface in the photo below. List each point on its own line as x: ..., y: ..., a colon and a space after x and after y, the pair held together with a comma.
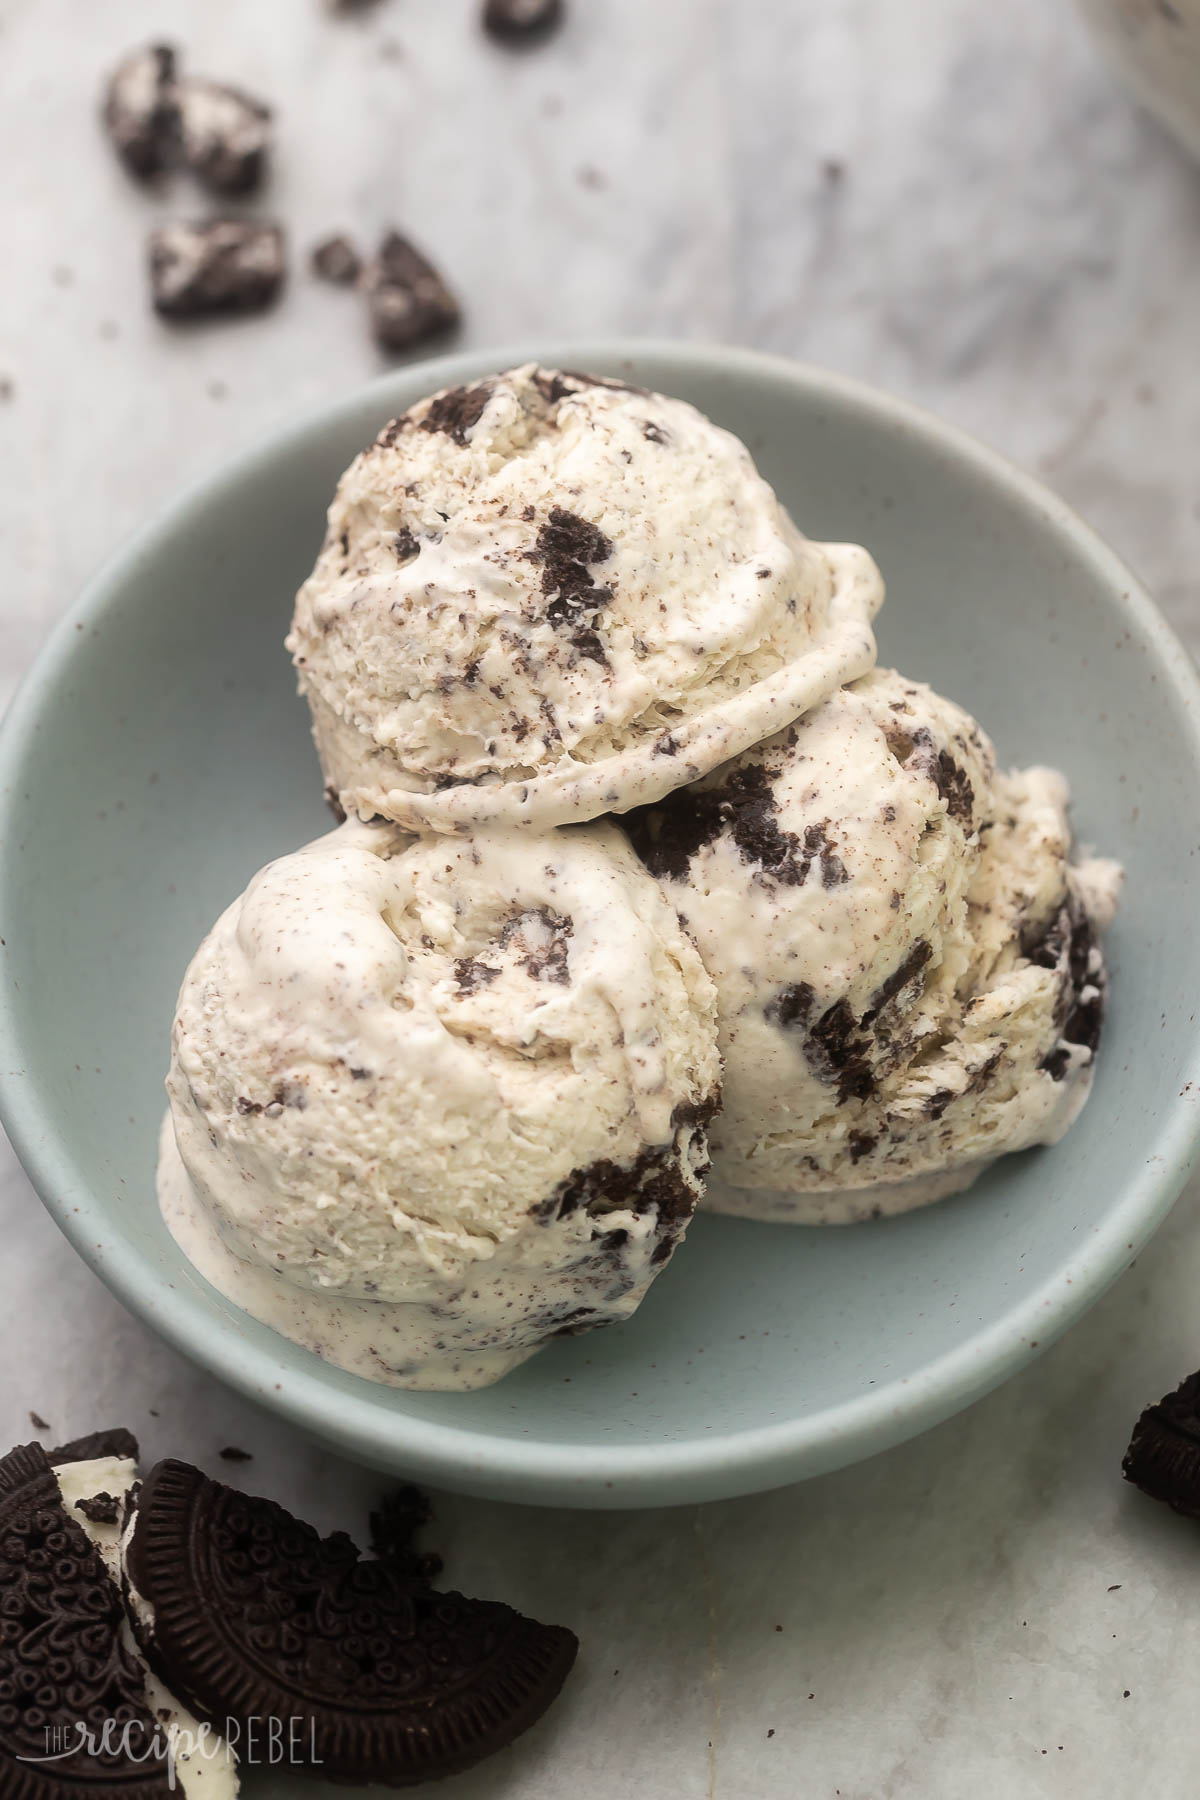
x: 957, y: 202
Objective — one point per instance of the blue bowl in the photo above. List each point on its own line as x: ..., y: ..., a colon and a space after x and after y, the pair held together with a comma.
x: 158, y: 755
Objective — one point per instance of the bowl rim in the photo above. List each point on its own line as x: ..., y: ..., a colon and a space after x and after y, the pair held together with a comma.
x: 539, y: 1471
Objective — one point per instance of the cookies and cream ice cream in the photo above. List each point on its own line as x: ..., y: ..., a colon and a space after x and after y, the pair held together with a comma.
x: 906, y: 960
x: 548, y: 596
x: 442, y: 1082
x: 434, y: 1101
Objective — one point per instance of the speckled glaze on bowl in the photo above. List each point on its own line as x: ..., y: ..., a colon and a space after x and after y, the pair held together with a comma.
x: 158, y: 755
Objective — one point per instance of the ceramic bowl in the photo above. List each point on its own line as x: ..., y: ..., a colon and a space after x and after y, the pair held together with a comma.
x: 158, y: 755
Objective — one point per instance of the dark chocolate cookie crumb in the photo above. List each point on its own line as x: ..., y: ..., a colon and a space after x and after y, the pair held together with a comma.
x: 216, y: 266
x: 96, y: 1446
x: 407, y: 297
x: 139, y: 110
x: 554, y: 385
x: 457, y: 411
x: 668, y: 835
x: 1163, y: 1458
x: 567, y: 547
x: 225, y: 135
x: 394, y: 1526
x: 1068, y: 945
x: 38, y: 1423
x: 792, y: 1005
x: 99, y: 1509
x: 838, y: 1054
x: 653, y: 1182
x: 335, y: 259
x: 470, y: 974
x: 232, y: 1454
x: 542, y: 940
x: 903, y: 976
x: 522, y: 21
x: 1083, y: 997
x: 954, y: 785
x: 917, y: 751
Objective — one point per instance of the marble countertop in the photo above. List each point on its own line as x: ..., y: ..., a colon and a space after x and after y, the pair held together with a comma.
x: 966, y: 210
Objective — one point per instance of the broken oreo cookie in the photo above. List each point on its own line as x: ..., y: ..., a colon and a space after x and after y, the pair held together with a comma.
x: 156, y: 120
x: 522, y: 21
x: 408, y: 299
x: 1163, y: 1458
x: 224, y: 135
x: 202, y: 268
x: 65, y: 1666
x: 255, y: 1615
x: 335, y: 259
x: 394, y: 1526
x: 96, y: 1447
x: 139, y: 110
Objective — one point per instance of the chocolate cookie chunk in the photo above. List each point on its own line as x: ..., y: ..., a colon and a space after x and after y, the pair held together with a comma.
x: 394, y: 1527
x: 224, y: 135
x: 408, y: 299
x: 256, y: 1615
x: 457, y: 411
x: 96, y: 1446
x: 139, y: 110
x: 215, y: 266
x: 64, y: 1666
x: 1163, y: 1458
x: 522, y: 21
x: 335, y: 259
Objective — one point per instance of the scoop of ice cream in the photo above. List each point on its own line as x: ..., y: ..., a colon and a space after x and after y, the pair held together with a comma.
x: 438, y: 1100
x: 908, y: 978
x: 548, y: 596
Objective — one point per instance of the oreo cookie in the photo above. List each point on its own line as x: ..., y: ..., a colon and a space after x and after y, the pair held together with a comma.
x: 1163, y: 1458
x: 74, y: 1723
x: 257, y: 1616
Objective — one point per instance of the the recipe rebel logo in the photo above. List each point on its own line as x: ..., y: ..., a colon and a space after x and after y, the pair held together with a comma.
x: 253, y: 1742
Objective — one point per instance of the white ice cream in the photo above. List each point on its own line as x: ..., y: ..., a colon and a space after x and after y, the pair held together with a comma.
x: 906, y: 963
x: 549, y: 597
x: 436, y: 1101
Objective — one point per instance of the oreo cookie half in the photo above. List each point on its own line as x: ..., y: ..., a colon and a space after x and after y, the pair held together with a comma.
x: 256, y: 1616
x: 1163, y: 1458
x: 74, y: 1724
